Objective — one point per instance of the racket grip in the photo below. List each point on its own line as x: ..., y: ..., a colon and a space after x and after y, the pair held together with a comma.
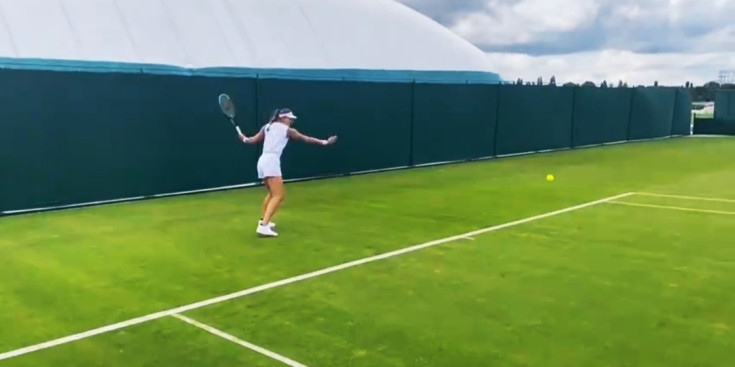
x: 238, y: 130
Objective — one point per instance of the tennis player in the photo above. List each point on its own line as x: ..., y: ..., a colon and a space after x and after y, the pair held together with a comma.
x: 275, y: 135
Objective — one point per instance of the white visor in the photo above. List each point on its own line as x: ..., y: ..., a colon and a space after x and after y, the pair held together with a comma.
x: 289, y: 115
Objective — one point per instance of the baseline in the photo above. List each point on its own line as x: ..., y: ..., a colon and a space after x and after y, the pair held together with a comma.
x: 684, y: 197
x: 677, y: 208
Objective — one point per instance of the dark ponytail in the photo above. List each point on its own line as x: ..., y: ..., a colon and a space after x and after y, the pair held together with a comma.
x: 274, y: 118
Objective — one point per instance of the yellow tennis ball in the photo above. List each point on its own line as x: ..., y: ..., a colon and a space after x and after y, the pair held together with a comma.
x: 549, y: 177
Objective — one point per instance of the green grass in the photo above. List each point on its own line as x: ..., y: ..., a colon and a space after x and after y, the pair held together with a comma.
x: 608, y: 285
x: 705, y: 115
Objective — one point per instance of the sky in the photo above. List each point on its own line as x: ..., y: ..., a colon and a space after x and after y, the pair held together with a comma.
x: 636, y: 41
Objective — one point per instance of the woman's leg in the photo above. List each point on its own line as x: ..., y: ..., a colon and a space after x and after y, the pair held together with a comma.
x: 275, y: 186
x: 266, y: 200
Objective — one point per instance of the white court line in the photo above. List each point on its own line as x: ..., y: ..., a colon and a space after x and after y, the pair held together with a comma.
x: 685, y: 197
x: 245, y: 292
x: 241, y: 342
x: 671, y: 208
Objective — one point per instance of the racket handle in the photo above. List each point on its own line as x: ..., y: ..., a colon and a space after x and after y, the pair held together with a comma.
x: 238, y: 130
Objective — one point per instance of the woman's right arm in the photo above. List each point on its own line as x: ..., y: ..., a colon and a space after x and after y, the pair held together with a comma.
x: 253, y: 140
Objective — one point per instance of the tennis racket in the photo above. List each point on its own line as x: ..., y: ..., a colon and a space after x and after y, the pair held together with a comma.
x: 228, y: 108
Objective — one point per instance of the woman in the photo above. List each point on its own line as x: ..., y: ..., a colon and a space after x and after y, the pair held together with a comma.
x: 275, y: 135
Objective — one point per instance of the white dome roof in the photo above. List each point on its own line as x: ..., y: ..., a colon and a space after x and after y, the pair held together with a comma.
x: 288, y: 34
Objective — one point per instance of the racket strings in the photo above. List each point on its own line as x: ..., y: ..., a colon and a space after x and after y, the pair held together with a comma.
x: 228, y: 108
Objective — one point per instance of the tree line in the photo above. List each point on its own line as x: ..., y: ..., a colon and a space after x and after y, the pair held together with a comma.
x: 702, y: 93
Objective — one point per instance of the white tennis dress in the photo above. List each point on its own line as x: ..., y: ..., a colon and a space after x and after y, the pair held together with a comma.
x: 276, y: 138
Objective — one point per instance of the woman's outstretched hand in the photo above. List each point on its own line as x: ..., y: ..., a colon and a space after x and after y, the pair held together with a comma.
x: 331, y: 140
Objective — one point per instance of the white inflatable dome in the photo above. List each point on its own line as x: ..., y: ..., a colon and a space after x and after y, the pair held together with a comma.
x: 289, y: 34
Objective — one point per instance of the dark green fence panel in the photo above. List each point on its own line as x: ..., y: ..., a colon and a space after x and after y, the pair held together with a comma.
x: 652, y: 113
x: 682, y: 113
x: 453, y: 122
x: 722, y: 105
x: 154, y: 134
x: 372, y: 120
x: 601, y: 115
x: 29, y: 133
x: 533, y: 118
x: 113, y: 136
x: 725, y: 107
x: 713, y: 127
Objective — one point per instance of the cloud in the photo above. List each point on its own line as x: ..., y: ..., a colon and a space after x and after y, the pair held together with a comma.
x: 612, y: 65
x: 561, y: 26
x: 504, y: 23
x: 640, y: 41
x: 445, y: 11
x: 718, y: 39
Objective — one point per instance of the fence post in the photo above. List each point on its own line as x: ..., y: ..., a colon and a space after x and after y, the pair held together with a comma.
x: 410, y: 141
x: 630, y: 113
x: 673, y: 115
x: 574, y: 108
x: 497, y: 121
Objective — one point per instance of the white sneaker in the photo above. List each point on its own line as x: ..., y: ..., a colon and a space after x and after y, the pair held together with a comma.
x: 266, y: 231
x: 271, y: 224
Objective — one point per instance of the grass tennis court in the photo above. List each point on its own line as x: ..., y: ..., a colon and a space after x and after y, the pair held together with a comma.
x: 591, y: 276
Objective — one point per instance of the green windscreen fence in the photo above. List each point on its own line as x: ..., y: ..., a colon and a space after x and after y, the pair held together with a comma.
x: 710, y: 126
x: 652, y: 113
x: 29, y: 139
x: 453, y: 122
x: 682, y: 123
x: 725, y: 106
x: 533, y: 118
x: 154, y: 134
x: 371, y: 120
x: 723, y: 122
x: 601, y: 115
x: 71, y: 137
